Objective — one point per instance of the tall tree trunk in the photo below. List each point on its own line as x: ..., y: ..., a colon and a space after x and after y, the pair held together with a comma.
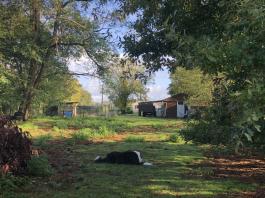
x: 25, y: 104
x: 36, y: 69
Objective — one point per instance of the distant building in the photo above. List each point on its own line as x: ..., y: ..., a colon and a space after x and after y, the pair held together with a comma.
x: 134, y: 106
x: 68, y: 109
x: 172, y: 107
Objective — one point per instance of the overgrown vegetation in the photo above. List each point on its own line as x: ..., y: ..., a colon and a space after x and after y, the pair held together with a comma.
x: 224, y: 39
x: 233, y: 119
x: 176, y: 170
x: 39, y: 166
x: 124, y: 83
x: 194, y: 83
x: 218, y: 40
x: 15, y: 147
x: 176, y: 138
x: 33, y: 68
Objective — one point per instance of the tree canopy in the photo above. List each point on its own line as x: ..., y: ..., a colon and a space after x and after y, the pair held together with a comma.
x: 194, y: 83
x: 79, y: 94
x: 221, y: 37
x: 53, y: 32
x: 123, y: 82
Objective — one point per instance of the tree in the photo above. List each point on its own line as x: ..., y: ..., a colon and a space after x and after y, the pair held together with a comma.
x: 53, y: 90
x: 221, y: 37
x: 194, y: 83
x: 123, y: 83
x: 218, y: 36
x: 53, y: 31
x: 9, y: 99
x: 79, y: 94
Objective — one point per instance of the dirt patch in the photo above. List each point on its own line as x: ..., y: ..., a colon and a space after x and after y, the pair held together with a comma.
x: 237, y: 195
x: 244, y: 169
x: 249, y: 170
x: 260, y: 193
x: 61, y: 158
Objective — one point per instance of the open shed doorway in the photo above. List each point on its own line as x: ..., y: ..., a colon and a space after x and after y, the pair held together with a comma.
x: 180, y: 109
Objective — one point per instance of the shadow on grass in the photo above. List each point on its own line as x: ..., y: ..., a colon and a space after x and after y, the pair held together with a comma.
x: 78, y: 176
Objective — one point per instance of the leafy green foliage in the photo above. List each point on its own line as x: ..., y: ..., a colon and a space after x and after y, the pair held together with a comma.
x: 223, y: 38
x: 82, y: 134
x: 39, y: 166
x: 194, y: 83
x: 52, y: 33
x: 61, y: 124
x: 123, y: 83
x: 208, y: 133
x: 104, y: 131
x: 176, y: 138
x: 79, y: 94
x: 88, y: 133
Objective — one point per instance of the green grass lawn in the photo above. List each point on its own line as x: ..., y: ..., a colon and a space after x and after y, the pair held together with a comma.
x: 75, y: 175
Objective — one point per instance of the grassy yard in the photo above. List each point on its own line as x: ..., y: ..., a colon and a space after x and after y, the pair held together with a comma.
x: 71, y: 146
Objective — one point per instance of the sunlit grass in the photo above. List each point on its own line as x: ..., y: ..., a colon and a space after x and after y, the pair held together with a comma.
x: 134, y: 139
x: 157, y: 140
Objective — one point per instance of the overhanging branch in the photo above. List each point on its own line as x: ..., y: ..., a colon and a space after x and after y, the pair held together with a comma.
x: 72, y: 1
x: 86, y: 50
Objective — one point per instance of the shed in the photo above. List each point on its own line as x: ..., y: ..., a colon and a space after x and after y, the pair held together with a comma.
x: 68, y: 109
x: 171, y: 107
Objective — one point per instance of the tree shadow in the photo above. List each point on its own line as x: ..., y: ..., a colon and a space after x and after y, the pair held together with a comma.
x: 77, y: 172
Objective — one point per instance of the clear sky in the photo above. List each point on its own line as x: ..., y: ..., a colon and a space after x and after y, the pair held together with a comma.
x: 158, y: 86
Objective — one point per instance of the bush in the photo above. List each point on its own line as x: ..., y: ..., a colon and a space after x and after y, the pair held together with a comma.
x: 15, y: 149
x: 129, y: 110
x: 207, y: 133
x: 176, y: 138
x: 39, y: 166
x: 82, y: 134
x: 56, y: 129
x: 134, y: 139
x: 104, y: 131
x: 61, y: 124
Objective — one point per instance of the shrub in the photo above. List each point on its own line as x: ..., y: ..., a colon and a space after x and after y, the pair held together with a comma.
x: 134, y: 139
x: 15, y: 149
x: 104, y: 131
x: 176, y: 138
x: 56, y: 129
x: 42, y: 140
x: 61, y: 124
x: 82, y: 134
x: 39, y: 166
x: 129, y: 110
x: 207, y: 133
